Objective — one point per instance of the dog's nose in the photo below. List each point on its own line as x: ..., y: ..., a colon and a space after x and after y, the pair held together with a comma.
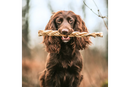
x: 65, y: 31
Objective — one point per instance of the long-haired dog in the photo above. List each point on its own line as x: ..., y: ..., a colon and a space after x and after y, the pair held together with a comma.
x: 64, y: 62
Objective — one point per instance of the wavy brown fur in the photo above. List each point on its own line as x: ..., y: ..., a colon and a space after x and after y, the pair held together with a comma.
x: 64, y: 61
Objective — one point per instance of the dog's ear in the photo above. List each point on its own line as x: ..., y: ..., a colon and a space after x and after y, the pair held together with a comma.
x: 52, y: 43
x: 51, y: 24
x: 81, y: 42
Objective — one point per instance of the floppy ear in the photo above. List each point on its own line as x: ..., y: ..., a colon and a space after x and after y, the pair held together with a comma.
x: 52, y: 43
x: 81, y: 42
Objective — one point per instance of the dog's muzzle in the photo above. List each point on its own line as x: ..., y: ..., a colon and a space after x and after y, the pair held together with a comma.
x: 65, y: 38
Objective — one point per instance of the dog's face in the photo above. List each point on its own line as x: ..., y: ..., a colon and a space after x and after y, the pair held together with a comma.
x: 65, y: 22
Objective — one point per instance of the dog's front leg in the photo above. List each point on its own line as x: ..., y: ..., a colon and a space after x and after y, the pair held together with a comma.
x: 77, y: 80
x: 42, y: 79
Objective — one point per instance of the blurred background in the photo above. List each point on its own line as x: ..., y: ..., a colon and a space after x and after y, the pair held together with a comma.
x: 35, y: 16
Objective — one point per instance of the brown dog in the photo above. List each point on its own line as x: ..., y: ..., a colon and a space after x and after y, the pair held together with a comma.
x: 64, y: 61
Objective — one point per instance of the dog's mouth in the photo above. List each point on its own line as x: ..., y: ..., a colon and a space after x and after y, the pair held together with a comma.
x: 65, y: 39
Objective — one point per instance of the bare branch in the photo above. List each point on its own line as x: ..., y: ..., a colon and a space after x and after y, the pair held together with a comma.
x: 99, y: 13
x: 90, y: 8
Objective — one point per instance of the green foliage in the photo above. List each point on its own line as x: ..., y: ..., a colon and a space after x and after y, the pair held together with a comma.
x: 105, y: 84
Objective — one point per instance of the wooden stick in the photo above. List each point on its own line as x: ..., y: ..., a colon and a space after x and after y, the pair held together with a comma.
x: 73, y: 34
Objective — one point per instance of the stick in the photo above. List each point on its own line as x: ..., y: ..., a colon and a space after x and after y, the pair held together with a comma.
x: 73, y: 34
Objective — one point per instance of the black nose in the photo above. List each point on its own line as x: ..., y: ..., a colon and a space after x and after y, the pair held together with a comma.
x: 65, y: 31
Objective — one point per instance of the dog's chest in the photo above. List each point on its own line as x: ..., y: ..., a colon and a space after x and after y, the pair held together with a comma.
x: 66, y: 71
x: 66, y: 63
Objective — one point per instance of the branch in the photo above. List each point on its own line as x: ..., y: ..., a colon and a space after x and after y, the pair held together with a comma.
x: 99, y: 13
x: 73, y: 34
x: 94, y: 12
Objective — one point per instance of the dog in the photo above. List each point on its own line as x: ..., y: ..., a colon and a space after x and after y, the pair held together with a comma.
x: 64, y: 61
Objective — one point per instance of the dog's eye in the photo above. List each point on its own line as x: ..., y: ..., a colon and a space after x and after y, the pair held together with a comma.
x: 70, y: 21
x: 59, y: 21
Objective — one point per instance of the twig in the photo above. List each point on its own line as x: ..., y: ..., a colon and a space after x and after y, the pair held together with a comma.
x: 73, y: 34
x: 105, y: 24
x: 99, y: 13
x: 90, y: 8
x: 94, y: 12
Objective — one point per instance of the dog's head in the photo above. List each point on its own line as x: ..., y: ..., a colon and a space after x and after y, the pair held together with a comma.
x: 66, y: 22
